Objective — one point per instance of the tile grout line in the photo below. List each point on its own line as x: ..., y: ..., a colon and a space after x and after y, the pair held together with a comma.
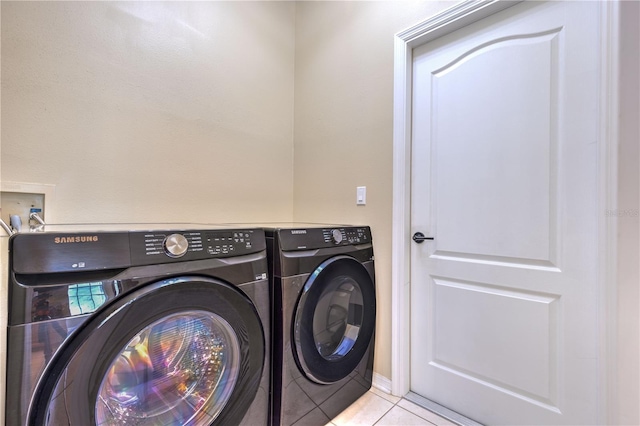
x: 386, y: 412
x: 416, y: 414
x: 395, y: 404
x: 408, y: 409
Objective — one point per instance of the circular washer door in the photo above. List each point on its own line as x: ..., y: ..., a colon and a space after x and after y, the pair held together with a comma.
x: 186, y: 351
x: 334, y: 320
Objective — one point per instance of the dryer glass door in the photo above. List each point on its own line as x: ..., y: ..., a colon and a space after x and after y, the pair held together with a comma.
x: 334, y: 320
x: 338, y: 318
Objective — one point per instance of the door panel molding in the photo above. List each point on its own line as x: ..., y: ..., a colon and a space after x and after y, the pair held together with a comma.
x: 535, y: 311
x: 450, y: 20
x: 527, y: 225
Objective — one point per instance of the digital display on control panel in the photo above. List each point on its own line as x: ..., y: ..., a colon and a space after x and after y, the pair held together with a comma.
x: 228, y: 242
x: 356, y: 235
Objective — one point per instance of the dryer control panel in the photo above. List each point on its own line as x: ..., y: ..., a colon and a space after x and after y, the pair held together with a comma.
x: 165, y: 246
x: 316, y: 238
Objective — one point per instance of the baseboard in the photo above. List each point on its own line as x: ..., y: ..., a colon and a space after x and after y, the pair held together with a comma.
x: 381, y: 383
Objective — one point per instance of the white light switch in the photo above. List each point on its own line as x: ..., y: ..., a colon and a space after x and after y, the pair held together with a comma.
x: 361, y: 195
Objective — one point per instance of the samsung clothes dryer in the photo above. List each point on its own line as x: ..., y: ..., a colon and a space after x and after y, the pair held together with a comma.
x: 324, y: 320
x: 138, y: 327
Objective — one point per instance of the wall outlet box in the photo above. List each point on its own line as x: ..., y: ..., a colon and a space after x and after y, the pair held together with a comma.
x: 21, y: 199
x: 21, y: 204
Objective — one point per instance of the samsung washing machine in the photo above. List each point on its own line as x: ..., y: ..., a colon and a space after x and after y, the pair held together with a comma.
x: 138, y: 327
x: 324, y: 320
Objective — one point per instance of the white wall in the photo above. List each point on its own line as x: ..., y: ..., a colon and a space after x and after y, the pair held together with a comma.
x: 344, y: 124
x: 148, y: 112
x: 154, y: 112
x: 627, y: 364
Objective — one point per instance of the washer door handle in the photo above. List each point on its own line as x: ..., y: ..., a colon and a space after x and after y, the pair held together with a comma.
x: 420, y: 238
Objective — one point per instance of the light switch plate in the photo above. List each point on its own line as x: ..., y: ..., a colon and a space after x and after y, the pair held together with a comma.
x: 361, y: 195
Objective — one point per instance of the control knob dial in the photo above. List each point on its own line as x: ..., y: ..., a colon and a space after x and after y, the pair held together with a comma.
x: 175, y: 245
x: 336, y: 236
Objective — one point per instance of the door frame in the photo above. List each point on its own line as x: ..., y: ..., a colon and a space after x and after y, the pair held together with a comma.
x: 452, y: 19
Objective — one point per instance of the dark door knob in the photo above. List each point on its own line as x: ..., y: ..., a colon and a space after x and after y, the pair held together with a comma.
x: 419, y: 238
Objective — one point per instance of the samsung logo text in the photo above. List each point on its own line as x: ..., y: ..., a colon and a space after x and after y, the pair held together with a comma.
x: 78, y: 239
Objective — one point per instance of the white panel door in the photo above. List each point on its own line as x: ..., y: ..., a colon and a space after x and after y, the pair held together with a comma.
x: 504, y: 143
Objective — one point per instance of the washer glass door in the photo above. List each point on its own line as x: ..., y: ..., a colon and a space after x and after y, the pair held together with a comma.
x: 181, y: 351
x: 171, y: 372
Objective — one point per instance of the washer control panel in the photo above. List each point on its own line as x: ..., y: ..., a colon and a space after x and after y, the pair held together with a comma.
x: 162, y: 246
x: 315, y: 238
x: 49, y: 252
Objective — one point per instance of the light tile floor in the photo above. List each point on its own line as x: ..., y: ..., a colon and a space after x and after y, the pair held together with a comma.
x: 381, y: 409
